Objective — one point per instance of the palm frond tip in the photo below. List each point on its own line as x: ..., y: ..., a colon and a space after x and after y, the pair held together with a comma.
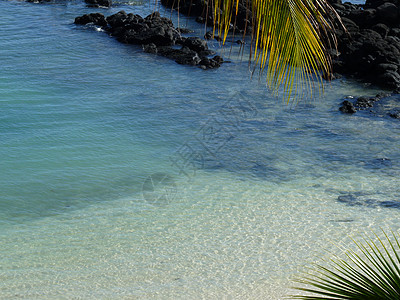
x: 371, y: 272
x: 287, y: 39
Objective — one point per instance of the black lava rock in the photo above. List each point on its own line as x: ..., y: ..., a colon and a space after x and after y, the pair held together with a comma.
x: 388, y: 13
x: 347, y: 107
x: 196, y: 44
x: 150, y: 48
x: 211, y: 63
x: 156, y: 35
x: 94, y: 18
x: 370, y: 49
x: 184, y: 56
x: 99, y: 3
x: 364, y: 102
x: 382, y: 29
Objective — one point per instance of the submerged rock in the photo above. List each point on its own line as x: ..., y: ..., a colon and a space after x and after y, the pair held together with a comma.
x: 379, y: 163
x: 347, y: 107
x: 94, y: 18
x: 196, y: 44
x: 395, y: 115
x: 99, y: 3
x: 212, y: 63
x: 184, y: 30
x: 380, y: 105
x: 150, y: 48
x: 367, y: 200
x: 183, y: 56
x: 365, y: 102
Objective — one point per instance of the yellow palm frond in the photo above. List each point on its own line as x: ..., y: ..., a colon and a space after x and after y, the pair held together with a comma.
x: 287, y: 40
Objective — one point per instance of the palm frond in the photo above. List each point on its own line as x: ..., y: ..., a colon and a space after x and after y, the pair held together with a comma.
x: 287, y: 40
x: 372, y: 272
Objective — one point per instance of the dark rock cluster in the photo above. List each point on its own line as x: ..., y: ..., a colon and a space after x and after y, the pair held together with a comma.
x: 157, y: 35
x: 99, y: 3
x: 381, y: 105
x: 370, y: 49
x: 361, y: 103
x: 347, y: 107
x: 94, y: 18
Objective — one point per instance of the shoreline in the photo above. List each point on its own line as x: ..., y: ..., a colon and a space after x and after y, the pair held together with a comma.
x: 86, y: 121
x: 368, y: 51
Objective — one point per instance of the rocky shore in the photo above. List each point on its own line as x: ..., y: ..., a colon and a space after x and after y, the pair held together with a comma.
x: 157, y: 35
x: 381, y: 105
x: 370, y: 49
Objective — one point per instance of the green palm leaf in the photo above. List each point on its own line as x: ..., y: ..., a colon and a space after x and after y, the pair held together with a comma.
x: 287, y: 40
x: 372, y: 272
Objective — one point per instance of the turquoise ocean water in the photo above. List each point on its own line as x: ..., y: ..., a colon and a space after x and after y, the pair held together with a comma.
x: 97, y: 144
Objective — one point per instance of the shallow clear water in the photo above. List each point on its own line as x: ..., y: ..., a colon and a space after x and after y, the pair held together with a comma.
x: 93, y: 206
